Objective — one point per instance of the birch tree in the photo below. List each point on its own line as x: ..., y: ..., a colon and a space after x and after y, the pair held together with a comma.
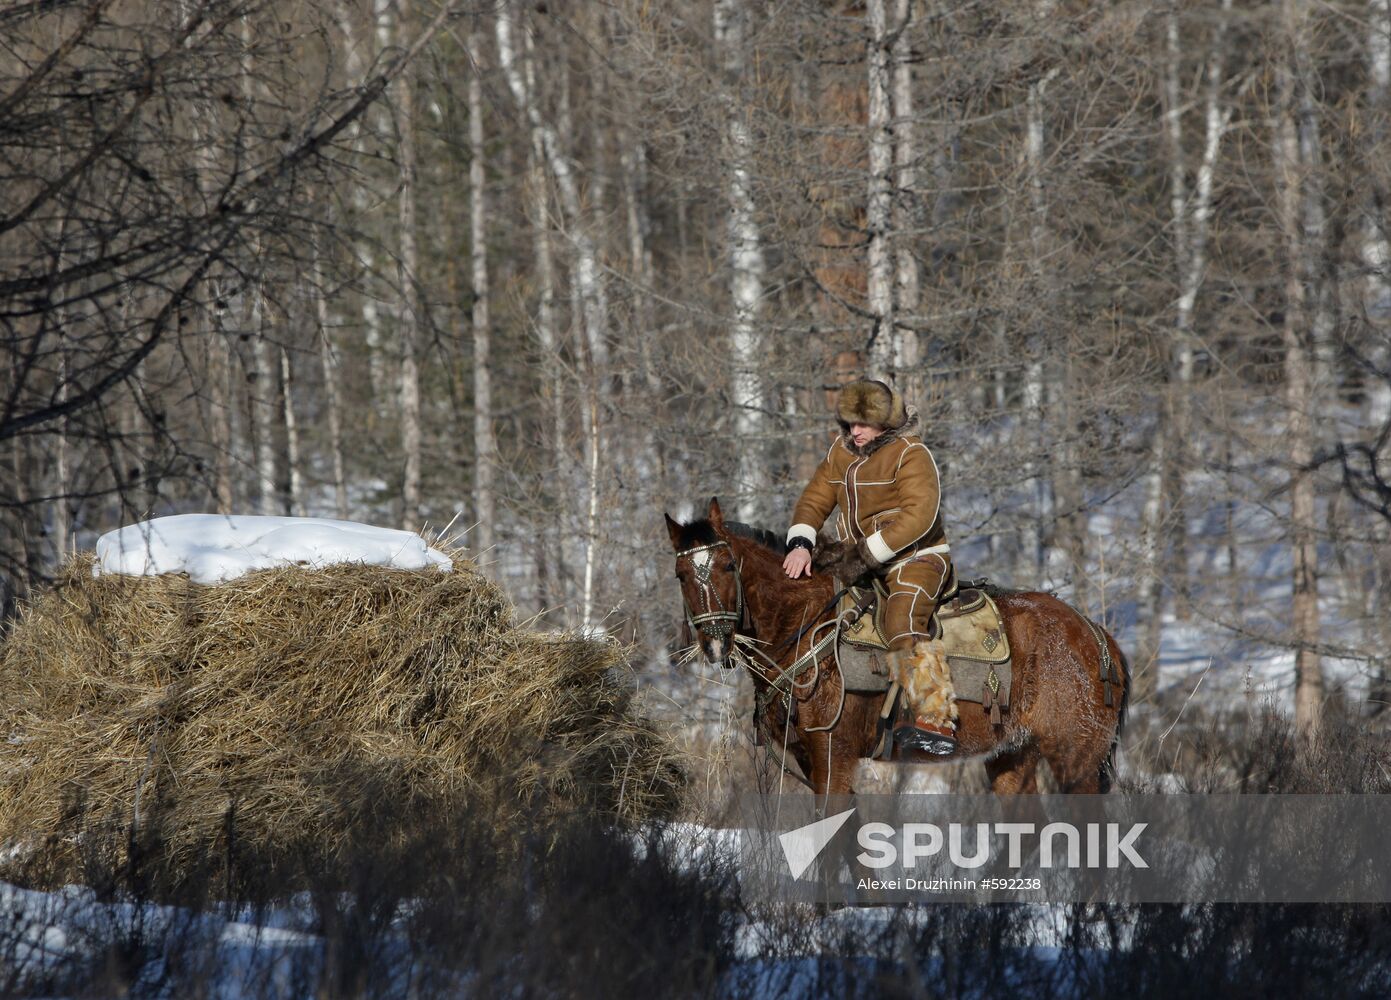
x: 1296, y: 156
x: 1190, y: 213
x: 906, y: 215
x: 745, y: 260
x: 408, y: 272
x: 589, y: 283
x: 484, y: 442
x: 879, y: 207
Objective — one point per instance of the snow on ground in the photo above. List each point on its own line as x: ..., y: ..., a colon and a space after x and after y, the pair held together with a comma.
x: 212, y: 548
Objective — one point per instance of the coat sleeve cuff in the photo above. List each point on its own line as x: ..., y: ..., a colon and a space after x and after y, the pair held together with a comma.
x: 879, y: 548
x: 801, y: 531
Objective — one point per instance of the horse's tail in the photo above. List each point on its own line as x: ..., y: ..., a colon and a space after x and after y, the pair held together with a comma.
x: 1107, y: 771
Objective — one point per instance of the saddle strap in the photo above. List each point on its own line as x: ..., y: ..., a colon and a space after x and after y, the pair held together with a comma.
x: 1109, y: 674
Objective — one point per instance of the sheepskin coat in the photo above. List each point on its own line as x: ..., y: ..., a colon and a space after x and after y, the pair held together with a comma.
x: 888, y: 494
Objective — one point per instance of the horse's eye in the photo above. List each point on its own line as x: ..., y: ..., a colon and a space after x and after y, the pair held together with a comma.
x: 729, y: 568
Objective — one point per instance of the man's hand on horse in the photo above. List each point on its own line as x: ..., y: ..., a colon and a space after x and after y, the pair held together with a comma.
x: 797, y: 563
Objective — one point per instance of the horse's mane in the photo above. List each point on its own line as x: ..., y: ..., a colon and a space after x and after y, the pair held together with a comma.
x: 763, y: 536
x: 702, y: 532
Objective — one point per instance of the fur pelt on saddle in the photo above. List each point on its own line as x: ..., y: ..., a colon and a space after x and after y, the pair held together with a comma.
x: 846, y: 559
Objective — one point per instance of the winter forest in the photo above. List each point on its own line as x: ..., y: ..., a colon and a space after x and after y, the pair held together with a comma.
x: 531, y: 274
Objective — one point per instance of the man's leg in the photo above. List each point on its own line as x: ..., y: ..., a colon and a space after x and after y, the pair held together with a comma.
x: 914, y: 589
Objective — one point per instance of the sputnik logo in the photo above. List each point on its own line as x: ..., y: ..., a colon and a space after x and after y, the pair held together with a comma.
x: 803, y: 845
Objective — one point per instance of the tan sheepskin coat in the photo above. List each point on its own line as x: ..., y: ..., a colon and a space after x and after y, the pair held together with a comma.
x: 888, y: 494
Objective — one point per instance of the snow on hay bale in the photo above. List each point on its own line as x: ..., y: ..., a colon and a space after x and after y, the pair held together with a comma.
x: 301, y: 699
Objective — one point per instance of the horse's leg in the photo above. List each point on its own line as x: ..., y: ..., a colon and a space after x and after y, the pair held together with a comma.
x: 1014, y: 773
x: 1077, y: 766
x: 833, y: 764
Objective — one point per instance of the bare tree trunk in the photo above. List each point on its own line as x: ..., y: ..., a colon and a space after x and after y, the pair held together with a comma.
x: 374, y: 336
x: 550, y: 551
x: 1376, y: 248
x: 1297, y: 191
x: 263, y: 407
x: 1376, y: 298
x: 264, y: 374
x: 332, y: 392
x: 879, y: 210
x: 484, y: 442
x: 295, y: 500
x: 1189, y: 215
x: 589, y: 284
x: 408, y: 275
x: 746, y: 266
x: 1035, y: 388
x: 587, y: 273
x: 222, y: 405
x: 906, y: 223
x: 61, y: 474
x: 546, y: 334
x: 632, y: 162
x: 62, y: 515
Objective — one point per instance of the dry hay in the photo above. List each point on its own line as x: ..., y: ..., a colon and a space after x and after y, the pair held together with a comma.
x: 301, y: 701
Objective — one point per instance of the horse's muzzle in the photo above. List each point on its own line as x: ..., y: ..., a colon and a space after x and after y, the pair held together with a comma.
x: 717, y: 649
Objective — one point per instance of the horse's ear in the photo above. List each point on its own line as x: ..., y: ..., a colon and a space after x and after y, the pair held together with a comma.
x: 674, y: 530
x: 716, y: 516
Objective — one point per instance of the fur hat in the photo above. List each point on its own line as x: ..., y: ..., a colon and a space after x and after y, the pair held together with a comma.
x: 870, y: 401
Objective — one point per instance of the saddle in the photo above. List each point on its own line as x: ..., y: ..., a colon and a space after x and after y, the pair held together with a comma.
x: 968, y: 625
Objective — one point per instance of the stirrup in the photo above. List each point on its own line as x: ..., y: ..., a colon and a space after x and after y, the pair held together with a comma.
x: 926, y: 737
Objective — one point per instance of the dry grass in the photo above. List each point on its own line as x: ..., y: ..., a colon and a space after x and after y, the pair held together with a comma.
x: 291, y: 704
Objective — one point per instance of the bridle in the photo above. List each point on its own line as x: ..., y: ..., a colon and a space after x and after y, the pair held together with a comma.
x: 714, y: 620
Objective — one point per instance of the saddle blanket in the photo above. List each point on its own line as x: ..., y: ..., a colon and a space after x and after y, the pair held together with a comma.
x: 968, y: 633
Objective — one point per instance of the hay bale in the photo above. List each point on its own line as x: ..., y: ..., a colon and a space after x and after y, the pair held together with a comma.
x: 302, y: 700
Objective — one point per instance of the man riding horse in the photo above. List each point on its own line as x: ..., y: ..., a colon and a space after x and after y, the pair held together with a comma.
x: 885, y: 482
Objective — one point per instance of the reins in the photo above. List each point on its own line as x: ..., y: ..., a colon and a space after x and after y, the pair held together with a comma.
x: 719, y: 621
x: 830, y: 605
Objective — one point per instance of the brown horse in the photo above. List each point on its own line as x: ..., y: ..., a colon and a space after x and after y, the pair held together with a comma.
x: 736, y: 593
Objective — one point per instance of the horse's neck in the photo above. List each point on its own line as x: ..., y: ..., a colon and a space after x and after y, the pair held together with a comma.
x: 778, y: 604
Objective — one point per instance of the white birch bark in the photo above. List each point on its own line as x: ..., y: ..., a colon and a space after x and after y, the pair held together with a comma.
x: 263, y: 371
x: 747, y: 266
x: 879, y: 208
x: 328, y: 360
x: 210, y: 327
x: 354, y: 65
x: 1034, y: 387
x: 263, y: 408
x: 225, y: 446
x: 484, y: 441
x: 1165, y: 481
x: 588, y: 278
x: 907, y: 280
x: 1376, y: 300
x: 550, y: 550
x: 546, y: 329
x: 294, y: 502
x: 1376, y: 249
x: 408, y: 275
x: 587, y: 273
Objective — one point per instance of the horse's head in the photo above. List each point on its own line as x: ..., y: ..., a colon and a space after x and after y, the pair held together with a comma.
x: 711, y: 587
